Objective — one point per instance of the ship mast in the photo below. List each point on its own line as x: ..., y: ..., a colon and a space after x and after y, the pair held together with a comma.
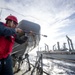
x: 70, y: 43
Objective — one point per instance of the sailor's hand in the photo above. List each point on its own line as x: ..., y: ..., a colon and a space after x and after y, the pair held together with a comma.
x: 31, y: 32
x: 18, y: 30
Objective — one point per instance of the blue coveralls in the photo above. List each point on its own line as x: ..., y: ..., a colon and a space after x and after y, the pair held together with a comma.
x: 6, y: 67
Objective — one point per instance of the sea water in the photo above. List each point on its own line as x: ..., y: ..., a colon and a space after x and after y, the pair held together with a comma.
x: 57, y: 67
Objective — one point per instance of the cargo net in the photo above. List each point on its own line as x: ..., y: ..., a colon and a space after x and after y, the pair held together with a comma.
x: 20, y: 50
x: 27, y: 46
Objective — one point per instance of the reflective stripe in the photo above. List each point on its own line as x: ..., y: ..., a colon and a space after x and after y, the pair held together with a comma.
x: 0, y: 62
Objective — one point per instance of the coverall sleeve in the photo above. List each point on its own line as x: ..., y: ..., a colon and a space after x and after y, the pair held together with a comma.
x: 21, y: 40
x: 5, y: 31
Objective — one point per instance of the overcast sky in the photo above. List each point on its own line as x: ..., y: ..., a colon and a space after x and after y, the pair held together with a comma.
x: 56, y: 17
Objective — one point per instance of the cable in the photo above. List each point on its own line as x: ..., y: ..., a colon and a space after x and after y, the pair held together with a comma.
x: 19, y: 13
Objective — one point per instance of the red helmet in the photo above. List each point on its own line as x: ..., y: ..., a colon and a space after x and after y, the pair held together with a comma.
x: 11, y: 17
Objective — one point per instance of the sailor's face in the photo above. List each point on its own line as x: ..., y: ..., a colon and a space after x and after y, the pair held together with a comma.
x: 12, y: 24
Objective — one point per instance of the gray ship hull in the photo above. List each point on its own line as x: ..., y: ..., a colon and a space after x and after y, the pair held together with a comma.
x: 60, y: 55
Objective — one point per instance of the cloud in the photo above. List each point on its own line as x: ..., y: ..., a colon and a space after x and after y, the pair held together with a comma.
x: 56, y: 17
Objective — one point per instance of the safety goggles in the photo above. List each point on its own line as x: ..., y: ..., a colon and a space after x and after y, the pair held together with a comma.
x: 13, y: 22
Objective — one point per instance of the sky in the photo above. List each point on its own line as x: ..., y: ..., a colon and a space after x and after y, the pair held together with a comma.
x: 56, y: 17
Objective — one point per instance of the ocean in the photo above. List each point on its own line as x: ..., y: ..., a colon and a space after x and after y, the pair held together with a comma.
x: 50, y: 66
x: 57, y: 67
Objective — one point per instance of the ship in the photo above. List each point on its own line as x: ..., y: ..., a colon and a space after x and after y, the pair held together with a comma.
x: 66, y: 54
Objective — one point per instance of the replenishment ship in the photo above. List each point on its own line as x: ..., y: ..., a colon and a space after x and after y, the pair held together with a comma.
x: 58, y: 53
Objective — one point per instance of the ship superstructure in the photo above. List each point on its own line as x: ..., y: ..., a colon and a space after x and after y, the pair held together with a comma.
x: 59, y: 53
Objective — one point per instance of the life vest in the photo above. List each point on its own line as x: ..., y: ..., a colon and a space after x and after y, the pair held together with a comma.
x: 6, y: 45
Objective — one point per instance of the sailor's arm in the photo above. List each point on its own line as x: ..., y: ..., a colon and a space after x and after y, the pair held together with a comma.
x: 6, y: 31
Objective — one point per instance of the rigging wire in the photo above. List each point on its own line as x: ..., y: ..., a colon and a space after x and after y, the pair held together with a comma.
x: 18, y: 13
x: 37, y: 19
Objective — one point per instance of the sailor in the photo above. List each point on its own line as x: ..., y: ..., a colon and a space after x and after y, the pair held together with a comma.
x: 8, y: 35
